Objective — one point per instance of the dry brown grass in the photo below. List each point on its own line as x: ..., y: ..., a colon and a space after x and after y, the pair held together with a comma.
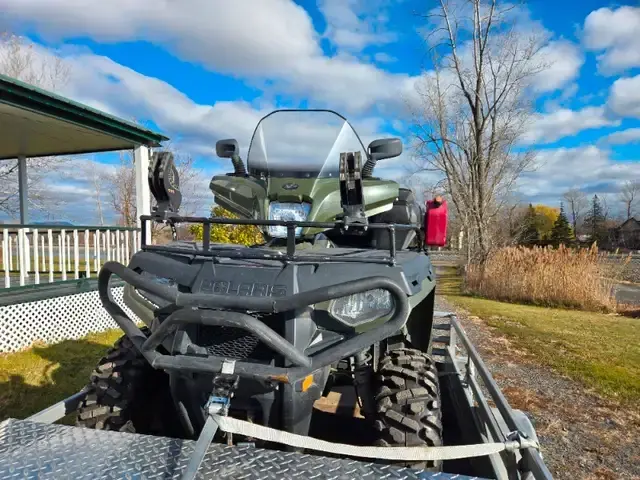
x: 547, y: 276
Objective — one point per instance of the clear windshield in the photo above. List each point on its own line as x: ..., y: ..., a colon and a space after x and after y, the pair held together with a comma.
x: 302, y: 144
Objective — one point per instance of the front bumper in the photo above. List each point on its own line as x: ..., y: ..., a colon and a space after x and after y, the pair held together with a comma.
x: 228, y: 311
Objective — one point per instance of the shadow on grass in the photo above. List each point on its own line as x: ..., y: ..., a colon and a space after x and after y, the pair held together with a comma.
x: 35, y: 379
x: 626, y: 310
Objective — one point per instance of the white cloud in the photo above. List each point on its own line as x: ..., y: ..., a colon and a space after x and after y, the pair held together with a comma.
x: 73, y: 185
x: 589, y: 168
x: 624, y: 97
x: 243, y: 36
x: 614, y: 33
x: 269, y: 39
x: 103, y: 83
x: 355, y: 24
x: 623, y: 137
x: 193, y: 128
x: 383, y: 57
x: 546, y: 128
x: 272, y: 39
x: 564, y: 60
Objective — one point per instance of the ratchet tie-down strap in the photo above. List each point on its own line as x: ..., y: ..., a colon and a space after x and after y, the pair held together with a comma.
x: 233, y: 425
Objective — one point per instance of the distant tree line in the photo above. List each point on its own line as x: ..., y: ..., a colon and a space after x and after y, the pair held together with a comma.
x: 583, y: 222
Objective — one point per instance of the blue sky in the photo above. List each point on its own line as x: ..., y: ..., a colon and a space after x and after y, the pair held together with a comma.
x: 201, y: 70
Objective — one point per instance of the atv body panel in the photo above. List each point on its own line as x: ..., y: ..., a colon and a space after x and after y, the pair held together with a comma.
x: 249, y: 197
x: 310, y: 330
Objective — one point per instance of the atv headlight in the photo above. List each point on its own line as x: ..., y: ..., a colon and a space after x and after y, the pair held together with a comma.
x: 362, y: 307
x: 287, y: 212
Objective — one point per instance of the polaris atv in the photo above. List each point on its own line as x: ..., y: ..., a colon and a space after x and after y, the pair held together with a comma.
x: 341, y: 288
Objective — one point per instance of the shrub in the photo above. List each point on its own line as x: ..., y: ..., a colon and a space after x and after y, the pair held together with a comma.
x: 546, y: 276
x: 238, y: 234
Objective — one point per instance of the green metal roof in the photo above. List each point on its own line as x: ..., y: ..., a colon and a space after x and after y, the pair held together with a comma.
x: 38, y: 123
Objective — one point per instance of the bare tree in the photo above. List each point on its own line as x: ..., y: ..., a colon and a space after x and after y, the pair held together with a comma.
x: 629, y: 193
x: 606, y: 206
x: 18, y: 59
x: 121, y: 184
x: 97, y: 184
x: 577, y: 202
x: 475, y: 108
x: 424, y: 189
x: 96, y: 175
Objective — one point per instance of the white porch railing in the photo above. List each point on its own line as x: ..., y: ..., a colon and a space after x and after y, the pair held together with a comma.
x: 35, y: 254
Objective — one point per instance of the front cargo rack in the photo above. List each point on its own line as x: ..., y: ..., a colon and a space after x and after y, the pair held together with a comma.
x: 257, y: 253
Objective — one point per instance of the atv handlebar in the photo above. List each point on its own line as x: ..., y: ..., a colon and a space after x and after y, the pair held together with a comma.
x: 204, y: 309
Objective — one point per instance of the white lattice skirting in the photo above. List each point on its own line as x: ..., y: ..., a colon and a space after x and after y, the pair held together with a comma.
x: 56, y: 319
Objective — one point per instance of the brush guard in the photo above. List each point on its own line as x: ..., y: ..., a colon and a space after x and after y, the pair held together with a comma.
x: 218, y: 310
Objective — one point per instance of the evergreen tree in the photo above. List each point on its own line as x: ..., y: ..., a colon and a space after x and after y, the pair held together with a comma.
x: 561, y: 233
x: 530, y: 234
x: 595, y: 221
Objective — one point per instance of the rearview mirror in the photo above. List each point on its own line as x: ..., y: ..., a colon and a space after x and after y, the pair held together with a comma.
x: 379, y: 150
x: 227, y: 148
x: 385, y: 148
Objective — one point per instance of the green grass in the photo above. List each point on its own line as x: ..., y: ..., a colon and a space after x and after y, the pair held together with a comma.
x: 600, y: 350
x: 36, y: 378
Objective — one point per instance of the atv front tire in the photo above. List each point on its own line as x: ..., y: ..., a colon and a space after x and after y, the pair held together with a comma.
x: 408, y: 403
x: 127, y: 394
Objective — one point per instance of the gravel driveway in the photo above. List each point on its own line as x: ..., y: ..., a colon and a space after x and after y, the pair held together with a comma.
x: 582, y: 435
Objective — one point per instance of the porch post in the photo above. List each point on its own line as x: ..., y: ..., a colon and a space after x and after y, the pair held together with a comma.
x: 143, y: 195
x: 23, y: 245
x: 22, y: 189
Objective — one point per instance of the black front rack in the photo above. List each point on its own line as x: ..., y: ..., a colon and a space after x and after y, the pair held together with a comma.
x: 290, y: 256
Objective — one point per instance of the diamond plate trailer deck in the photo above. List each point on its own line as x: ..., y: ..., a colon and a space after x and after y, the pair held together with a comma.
x: 39, y: 450
x: 36, y: 448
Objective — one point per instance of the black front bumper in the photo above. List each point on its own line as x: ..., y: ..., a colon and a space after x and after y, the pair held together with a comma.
x: 228, y: 311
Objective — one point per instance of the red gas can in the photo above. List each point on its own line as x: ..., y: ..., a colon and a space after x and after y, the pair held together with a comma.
x: 435, y: 223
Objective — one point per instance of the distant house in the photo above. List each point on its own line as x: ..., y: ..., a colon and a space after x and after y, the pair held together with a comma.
x: 583, y: 238
x: 626, y: 235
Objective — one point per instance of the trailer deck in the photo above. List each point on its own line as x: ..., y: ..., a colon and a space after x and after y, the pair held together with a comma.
x: 45, y: 451
x: 39, y: 448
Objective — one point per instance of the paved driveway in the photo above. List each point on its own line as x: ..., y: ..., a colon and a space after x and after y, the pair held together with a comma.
x: 628, y: 293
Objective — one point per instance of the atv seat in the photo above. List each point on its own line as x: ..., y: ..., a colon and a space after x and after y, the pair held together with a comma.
x: 405, y: 210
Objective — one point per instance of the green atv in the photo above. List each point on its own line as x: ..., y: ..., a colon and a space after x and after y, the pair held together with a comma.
x: 341, y: 290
